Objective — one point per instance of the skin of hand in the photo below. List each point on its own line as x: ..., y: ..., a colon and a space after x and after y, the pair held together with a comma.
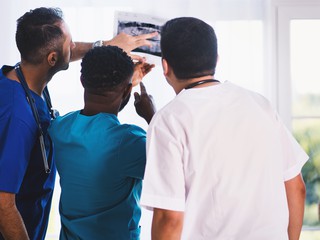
x: 128, y: 42
x: 144, y: 104
x: 140, y: 70
x: 136, y: 58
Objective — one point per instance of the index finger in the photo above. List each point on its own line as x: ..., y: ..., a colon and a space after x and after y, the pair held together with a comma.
x: 146, y: 36
x: 143, y: 89
x: 137, y: 58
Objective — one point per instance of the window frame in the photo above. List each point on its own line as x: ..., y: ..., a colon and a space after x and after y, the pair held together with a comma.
x: 284, y: 13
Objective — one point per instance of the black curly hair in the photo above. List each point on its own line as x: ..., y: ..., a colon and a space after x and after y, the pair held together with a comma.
x: 105, y: 68
x: 38, y: 32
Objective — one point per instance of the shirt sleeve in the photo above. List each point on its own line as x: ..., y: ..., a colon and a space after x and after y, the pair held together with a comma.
x: 293, y: 154
x: 164, y: 184
x: 132, y: 152
x: 16, y: 143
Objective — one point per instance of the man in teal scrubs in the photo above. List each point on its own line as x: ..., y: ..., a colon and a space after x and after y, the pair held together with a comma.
x: 100, y: 161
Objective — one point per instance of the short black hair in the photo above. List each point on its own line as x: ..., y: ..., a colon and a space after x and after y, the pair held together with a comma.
x: 105, y: 68
x: 190, y: 47
x: 38, y: 33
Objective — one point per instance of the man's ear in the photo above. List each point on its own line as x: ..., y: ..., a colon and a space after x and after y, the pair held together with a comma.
x: 52, y: 58
x: 127, y: 91
x: 165, y: 67
x: 81, y: 80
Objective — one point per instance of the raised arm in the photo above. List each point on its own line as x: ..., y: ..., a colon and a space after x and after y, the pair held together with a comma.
x: 141, y: 69
x: 80, y: 50
x: 166, y: 224
x: 128, y: 42
x: 11, y: 223
x: 144, y: 104
x: 296, y: 193
x: 122, y: 40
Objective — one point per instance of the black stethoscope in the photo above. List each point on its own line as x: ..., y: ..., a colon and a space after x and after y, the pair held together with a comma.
x: 53, y: 114
x: 192, y: 85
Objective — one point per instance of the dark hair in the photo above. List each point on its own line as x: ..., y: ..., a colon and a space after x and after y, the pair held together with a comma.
x: 190, y: 47
x: 38, y: 33
x: 105, y: 68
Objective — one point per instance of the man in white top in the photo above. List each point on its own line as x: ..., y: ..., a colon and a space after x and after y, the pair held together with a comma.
x: 220, y: 163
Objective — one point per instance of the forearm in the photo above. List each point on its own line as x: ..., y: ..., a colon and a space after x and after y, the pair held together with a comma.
x: 296, y: 193
x: 166, y: 225
x: 11, y: 223
x: 80, y: 50
x: 296, y: 219
x: 83, y: 47
x: 122, y: 40
x: 165, y: 234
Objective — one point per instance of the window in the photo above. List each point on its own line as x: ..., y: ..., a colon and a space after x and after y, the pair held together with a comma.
x: 305, y: 108
x: 301, y: 88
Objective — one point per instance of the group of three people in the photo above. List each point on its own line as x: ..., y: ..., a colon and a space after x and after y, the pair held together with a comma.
x: 217, y: 163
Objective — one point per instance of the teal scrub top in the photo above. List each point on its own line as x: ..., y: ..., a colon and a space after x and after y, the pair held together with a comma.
x: 101, y: 165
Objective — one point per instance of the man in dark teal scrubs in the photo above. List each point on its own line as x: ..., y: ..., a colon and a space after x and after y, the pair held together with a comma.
x: 100, y: 161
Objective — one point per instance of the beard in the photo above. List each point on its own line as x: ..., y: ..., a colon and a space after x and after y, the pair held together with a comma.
x: 125, y: 102
x: 61, y: 64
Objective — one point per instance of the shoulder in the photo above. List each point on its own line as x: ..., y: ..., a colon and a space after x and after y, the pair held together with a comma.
x: 65, y: 118
x: 133, y: 131
x: 14, y: 107
x: 131, y: 138
x: 61, y: 122
x: 248, y: 95
x: 170, y: 114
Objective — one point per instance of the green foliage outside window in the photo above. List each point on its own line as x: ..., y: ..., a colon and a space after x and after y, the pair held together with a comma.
x: 307, y: 132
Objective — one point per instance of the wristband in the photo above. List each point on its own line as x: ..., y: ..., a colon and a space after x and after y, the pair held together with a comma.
x: 98, y: 43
